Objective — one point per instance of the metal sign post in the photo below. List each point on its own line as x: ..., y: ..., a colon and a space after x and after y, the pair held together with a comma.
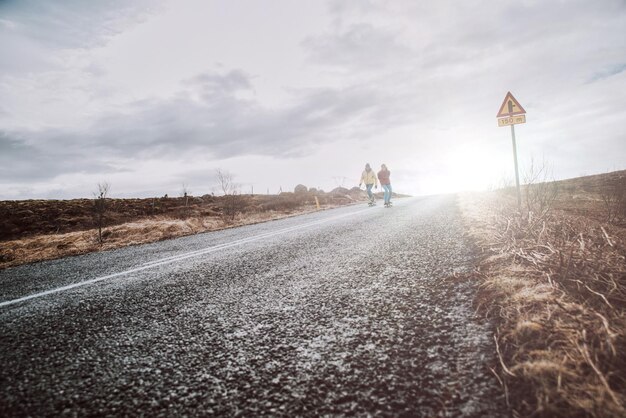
x: 519, y: 192
x: 513, y: 113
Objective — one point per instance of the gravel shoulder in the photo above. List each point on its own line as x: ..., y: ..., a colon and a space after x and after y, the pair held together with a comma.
x: 356, y: 315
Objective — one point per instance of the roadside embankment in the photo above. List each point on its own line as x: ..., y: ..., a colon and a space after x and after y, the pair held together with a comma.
x: 553, y: 278
x: 52, y: 246
x: 35, y: 230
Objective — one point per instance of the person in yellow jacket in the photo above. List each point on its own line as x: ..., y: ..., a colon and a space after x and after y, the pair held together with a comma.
x: 368, y: 177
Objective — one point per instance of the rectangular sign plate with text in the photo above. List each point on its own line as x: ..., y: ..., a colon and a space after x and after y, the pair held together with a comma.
x: 512, y: 120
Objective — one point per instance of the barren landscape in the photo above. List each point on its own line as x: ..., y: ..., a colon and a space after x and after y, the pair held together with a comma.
x: 548, y: 283
x: 34, y: 230
x: 181, y: 231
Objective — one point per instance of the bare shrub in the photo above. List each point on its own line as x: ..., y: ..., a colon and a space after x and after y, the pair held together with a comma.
x: 100, y: 206
x: 614, y: 198
x: 540, y: 190
x: 232, y: 195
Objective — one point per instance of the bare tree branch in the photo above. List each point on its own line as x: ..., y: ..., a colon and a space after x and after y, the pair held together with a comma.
x: 100, y: 206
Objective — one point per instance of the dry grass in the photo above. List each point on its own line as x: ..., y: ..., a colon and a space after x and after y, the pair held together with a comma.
x: 36, y: 230
x: 52, y: 246
x: 556, y: 286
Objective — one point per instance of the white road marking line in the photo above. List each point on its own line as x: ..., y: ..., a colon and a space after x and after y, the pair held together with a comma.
x: 239, y: 241
x: 180, y: 257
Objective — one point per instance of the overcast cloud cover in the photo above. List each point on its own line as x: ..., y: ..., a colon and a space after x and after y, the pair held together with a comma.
x: 149, y: 95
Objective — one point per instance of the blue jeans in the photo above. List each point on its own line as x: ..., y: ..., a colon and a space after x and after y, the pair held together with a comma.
x: 387, y: 189
x: 368, y: 187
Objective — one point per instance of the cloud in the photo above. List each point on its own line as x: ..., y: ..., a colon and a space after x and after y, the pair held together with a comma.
x: 450, y: 60
x: 207, y: 116
x: 7, y: 25
x: 21, y: 161
x: 607, y: 72
x: 212, y: 84
x: 411, y: 82
x: 71, y: 23
x: 360, y: 45
x: 33, y: 32
x: 569, y: 36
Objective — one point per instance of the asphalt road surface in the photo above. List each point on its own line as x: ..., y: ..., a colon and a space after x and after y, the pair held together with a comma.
x: 350, y: 311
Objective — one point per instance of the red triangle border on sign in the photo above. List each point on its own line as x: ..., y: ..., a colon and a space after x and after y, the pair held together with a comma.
x: 502, y: 113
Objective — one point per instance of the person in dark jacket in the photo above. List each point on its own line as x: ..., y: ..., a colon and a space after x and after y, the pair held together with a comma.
x: 385, y: 183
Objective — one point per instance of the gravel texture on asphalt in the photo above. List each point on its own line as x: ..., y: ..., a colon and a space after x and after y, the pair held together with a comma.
x: 350, y: 312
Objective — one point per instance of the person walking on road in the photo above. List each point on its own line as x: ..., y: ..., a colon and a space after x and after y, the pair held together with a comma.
x: 368, y: 177
x: 385, y: 183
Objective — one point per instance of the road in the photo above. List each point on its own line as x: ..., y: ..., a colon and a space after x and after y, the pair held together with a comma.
x: 351, y: 311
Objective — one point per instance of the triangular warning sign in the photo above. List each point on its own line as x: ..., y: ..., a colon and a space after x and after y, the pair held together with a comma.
x: 510, y: 107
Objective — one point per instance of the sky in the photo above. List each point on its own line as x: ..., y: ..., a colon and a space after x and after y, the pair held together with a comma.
x: 149, y: 96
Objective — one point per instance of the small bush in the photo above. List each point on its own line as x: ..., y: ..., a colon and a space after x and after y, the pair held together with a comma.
x: 540, y: 190
x: 614, y: 198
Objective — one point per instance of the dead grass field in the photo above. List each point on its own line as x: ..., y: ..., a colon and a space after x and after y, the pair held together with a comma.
x: 43, y: 230
x: 554, y: 281
x: 51, y: 246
